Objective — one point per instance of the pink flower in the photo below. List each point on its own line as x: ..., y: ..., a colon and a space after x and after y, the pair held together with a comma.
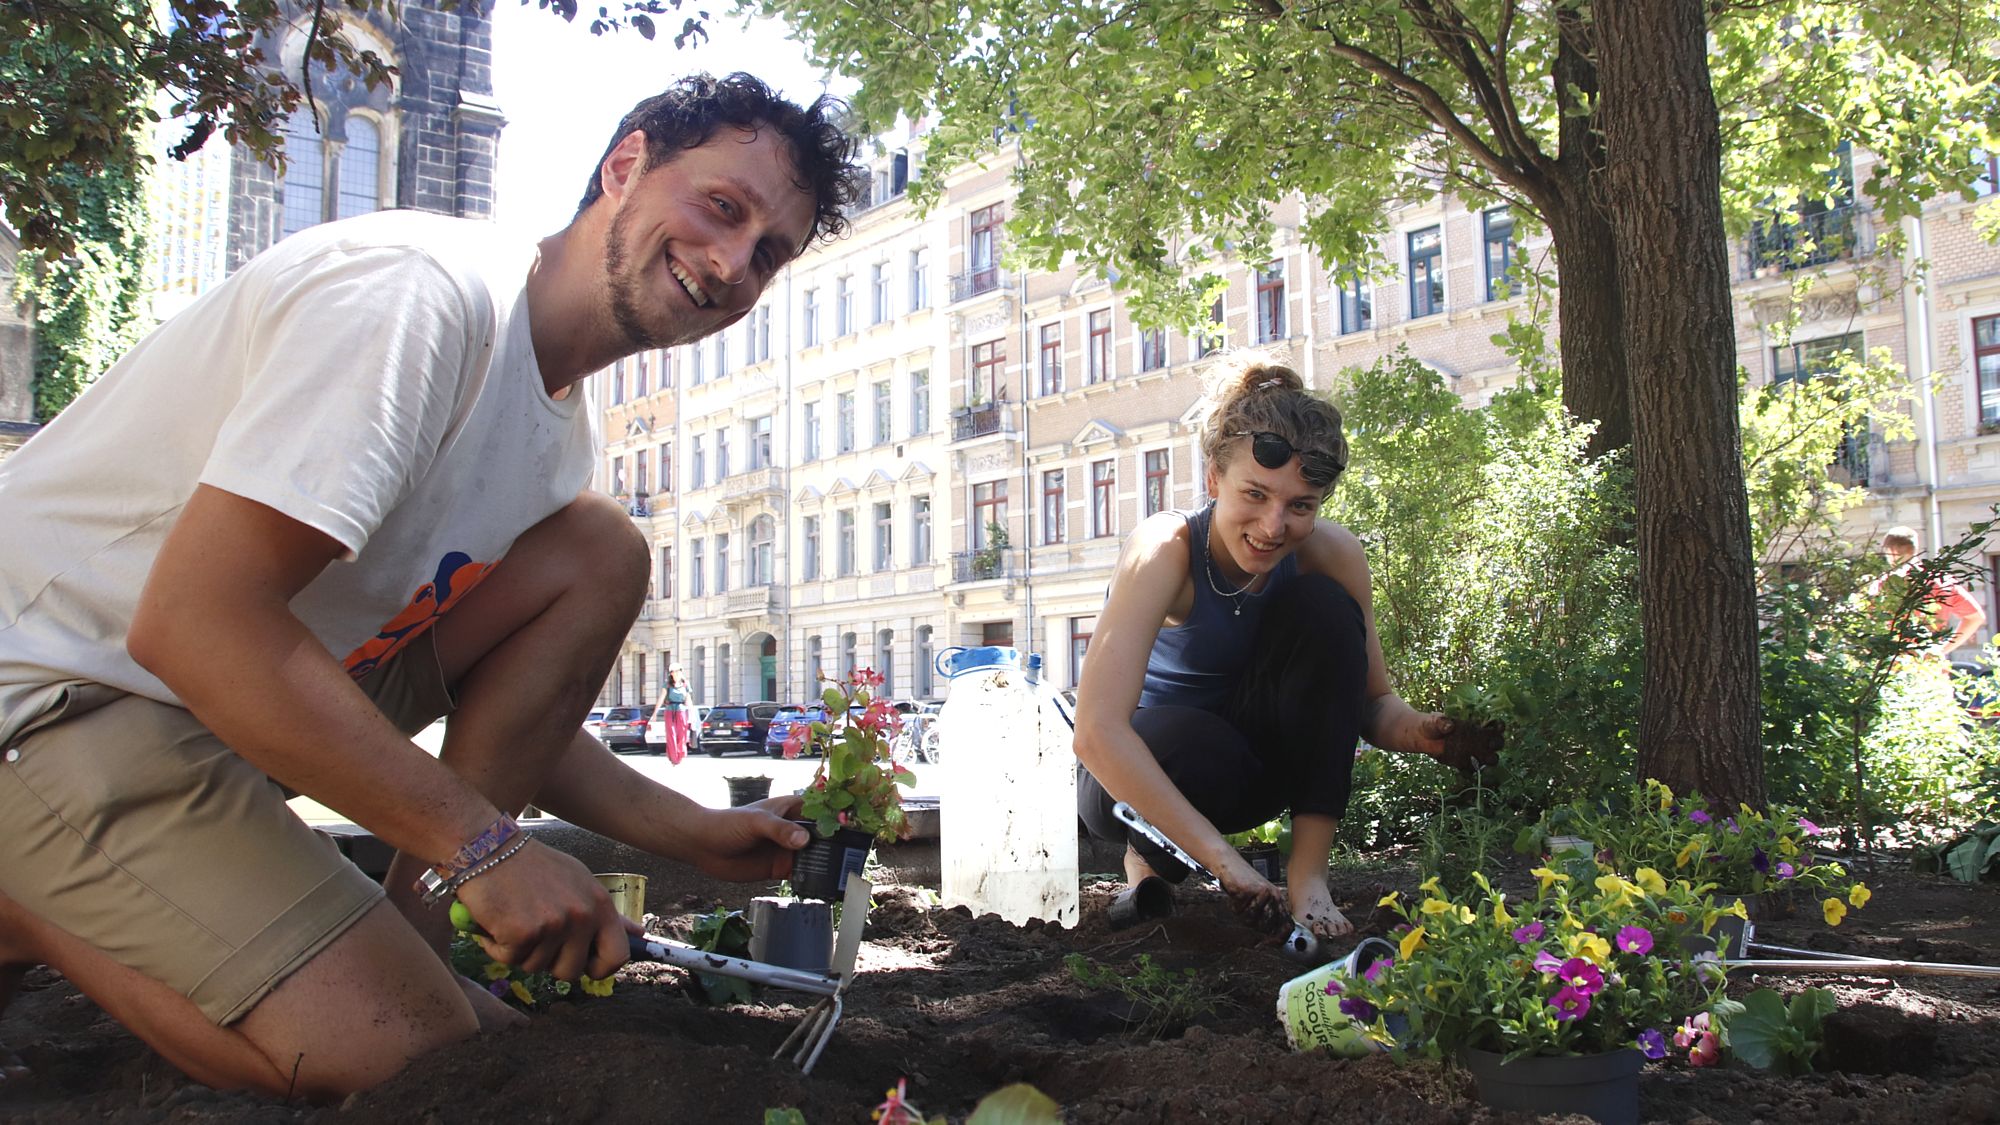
x: 1570, y: 1004
x: 795, y: 742
x: 1530, y: 932
x: 1809, y: 828
x: 1581, y: 976
x: 1546, y: 962
x: 1700, y: 1043
x: 1374, y: 972
x: 1333, y: 987
x: 1635, y: 939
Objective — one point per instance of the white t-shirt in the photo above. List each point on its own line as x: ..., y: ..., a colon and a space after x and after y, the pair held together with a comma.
x: 372, y: 378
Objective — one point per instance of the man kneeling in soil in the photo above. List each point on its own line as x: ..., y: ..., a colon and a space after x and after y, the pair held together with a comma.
x: 338, y: 498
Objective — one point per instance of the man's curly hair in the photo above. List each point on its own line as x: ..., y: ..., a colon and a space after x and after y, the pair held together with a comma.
x: 689, y: 112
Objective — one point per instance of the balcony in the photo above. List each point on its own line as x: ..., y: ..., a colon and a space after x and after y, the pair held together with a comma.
x: 972, y: 283
x: 744, y: 488
x: 751, y: 601
x: 637, y: 504
x: 968, y: 422
x: 984, y: 566
x: 1810, y: 239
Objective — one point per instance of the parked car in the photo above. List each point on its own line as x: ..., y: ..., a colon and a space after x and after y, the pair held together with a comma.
x: 736, y: 726
x: 656, y: 730
x: 593, y: 723
x: 624, y: 728
x: 785, y: 720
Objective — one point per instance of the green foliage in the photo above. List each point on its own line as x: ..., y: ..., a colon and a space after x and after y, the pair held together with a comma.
x: 1276, y: 832
x: 1503, y: 588
x: 1162, y: 997
x: 858, y: 785
x: 1770, y: 1034
x: 1969, y: 858
x: 784, y: 1116
x: 1470, y: 838
x: 522, y: 989
x: 726, y: 932
x: 1018, y: 1104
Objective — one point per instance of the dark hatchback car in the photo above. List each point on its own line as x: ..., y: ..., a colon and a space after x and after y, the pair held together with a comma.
x: 736, y: 726
x: 782, y: 724
x: 624, y: 729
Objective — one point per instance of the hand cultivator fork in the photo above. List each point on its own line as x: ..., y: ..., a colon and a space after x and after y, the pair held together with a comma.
x: 812, y: 1035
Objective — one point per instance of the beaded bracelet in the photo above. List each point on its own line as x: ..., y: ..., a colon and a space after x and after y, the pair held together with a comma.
x: 435, y: 883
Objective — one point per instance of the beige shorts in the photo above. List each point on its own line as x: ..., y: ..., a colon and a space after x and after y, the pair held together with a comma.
x: 131, y: 826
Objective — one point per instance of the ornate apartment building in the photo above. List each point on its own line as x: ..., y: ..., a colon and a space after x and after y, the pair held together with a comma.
x: 908, y: 446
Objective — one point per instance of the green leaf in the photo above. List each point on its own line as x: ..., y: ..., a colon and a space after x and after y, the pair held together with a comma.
x: 1759, y: 1033
x: 1019, y: 1104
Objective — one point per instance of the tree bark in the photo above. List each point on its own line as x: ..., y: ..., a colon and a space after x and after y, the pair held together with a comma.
x: 1699, y: 721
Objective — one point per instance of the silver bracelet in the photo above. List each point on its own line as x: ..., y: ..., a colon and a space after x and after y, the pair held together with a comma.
x: 450, y: 886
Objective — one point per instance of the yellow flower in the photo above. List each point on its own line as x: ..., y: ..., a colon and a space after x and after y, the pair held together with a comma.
x: 1835, y: 911
x: 1787, y: 846
x: 1688, y: 853
x: 1651, y: 881
x: 1548, y: 878
x: 521, y: 992
x: 595, y: 987
x: 1500, y: 915
x: 1466, y: 916
x: 1609, y: 885
x: 1435, y: 906
x: 1666, y: 794
x: 1858, y: 895
x: 1412, y: 941
x: 1430, y: 886
x: 496, y: 971
x: 1590, y: 947
x: 1390, y: 898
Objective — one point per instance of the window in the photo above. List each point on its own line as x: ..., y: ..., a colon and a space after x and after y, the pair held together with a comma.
x: 1097, y: 354
x: 666, y: 467
x: 1426, y: 272
x: 1048, y: 364
x: 920, y: 530
x: 1052, y: 507
x: 809, y: 551
x: 884, y: 412
x: 988, y: 362
x: 844, y: 422
x: 985, y: 249
x: 885, y: 659
x: 1357, y: 306
x: 921, y: 662
x: 700, y: 672
x: 1158, y: 489
x: 1812, y: 358
x: 760, y: 442
x: 1986, y: 361
x: 1080, y: 629
x: 808, y: 319
x: 989, y: 512
x: 617, y: 475
x: 721, y: 453
x: 763, y: 533
x: 811, y: 424
x: 920, y: 280
x: 696, y: 562
x: 722, y: 563
x: 1212, y: 340
x: 666, y: 573
x: 697, y: 479
x: 878, y: 286
x: 721, y: 354
x: 757, y: 335
x: 885, y: 522
x: 699, y: 361
x: 1988, y: 179
x: 920, y: 403
x: 1152, y: 349
x: 815, y: 666
x: 641, y: 466
x: 1499, y: 227
x: 845, y: 547
x: 724, y: 674
x: 846, y: 656
x: 1103, y: 498
x: 641, y: 371
x: 1271, y: 303
x: 361, y: 172
x: 618, y: 382
x: 843, y: 306
x: 305, y: 173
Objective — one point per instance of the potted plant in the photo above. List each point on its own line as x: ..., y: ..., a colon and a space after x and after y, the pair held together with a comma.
x: 1265, y: 847
x: 856, y: 795
x: 1553, y: 1003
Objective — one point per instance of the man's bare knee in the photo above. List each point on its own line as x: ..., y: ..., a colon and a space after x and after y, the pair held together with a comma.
x: 600, y: 529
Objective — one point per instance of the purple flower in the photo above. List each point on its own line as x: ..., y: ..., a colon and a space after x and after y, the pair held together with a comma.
x: 1635, y: 939
x: 1357, y: 1009
x: 1786, y: 870
x: 1568, y: 1003
x: 1546, y: 962
x: 1530, y: 932
x: 1699, y: 817
x: 1732, y: 825
x: 1652, y: 1044
x: 498, y: 988
x: 1333, y: 988
x: 1760, y: 861
x: 1581, y: 976
x: 1374, y: 972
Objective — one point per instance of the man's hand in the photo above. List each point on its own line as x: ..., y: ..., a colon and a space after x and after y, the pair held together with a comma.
x: 1464, y: 746
x: 749, y: 843
x: 543, y: 911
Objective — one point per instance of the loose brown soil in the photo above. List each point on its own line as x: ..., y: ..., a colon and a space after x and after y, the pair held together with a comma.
x: 962, y: 1005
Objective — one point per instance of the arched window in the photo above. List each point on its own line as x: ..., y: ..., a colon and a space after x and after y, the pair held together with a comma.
x: 885, y: 660
x: 763, y: 530
x: 360, y: 168
x: 815, y: 668
x: 305, y: 173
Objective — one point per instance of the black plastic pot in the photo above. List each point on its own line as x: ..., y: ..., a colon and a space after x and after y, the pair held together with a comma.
x: 792, y: 933
x: 747, y: 790
x: 1602, y: 1087
x: 1266, y: 860
x: 820, y: 869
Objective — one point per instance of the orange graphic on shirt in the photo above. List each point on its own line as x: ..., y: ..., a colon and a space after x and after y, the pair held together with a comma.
x: 456, y: 575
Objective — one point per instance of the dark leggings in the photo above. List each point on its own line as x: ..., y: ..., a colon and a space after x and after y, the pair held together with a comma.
x: 1286, y: 737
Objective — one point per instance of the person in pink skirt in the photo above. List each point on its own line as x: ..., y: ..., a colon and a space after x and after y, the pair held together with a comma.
x: 675, y: 715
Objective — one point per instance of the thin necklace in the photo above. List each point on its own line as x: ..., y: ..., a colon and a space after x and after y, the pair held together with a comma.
x: 1235, y: 596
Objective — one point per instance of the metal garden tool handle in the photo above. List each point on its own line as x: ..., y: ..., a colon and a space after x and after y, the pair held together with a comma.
x: 1300, y: 945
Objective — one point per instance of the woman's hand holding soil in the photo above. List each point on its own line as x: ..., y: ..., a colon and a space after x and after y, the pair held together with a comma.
x: 1256, y: 899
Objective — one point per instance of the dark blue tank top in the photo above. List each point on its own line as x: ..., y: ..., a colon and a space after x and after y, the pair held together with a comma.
x: 1195, y: 663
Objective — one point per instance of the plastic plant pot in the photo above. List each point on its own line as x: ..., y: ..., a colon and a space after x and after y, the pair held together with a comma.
x: 1266, y: 860
x: 747, y: 790
x: 790, y: 932
x: 820, y: 869
x: 1603, y: 1087
x: 1151, y: 897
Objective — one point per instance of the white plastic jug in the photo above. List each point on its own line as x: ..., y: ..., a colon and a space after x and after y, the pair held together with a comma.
x: 1007, y: 825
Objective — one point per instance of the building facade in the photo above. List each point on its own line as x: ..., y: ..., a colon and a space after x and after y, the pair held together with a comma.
x: 17, y: 351
x: 909, y: 446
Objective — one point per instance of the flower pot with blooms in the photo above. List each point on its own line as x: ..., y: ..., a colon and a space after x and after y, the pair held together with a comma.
x: 1589, y: 974
x: 856, y: 796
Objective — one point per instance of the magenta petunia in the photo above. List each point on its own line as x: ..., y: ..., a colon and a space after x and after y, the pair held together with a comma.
x: 1570, y: 1004
x: 1699, y: 817
x: 1333, y: 988
x: 1809, y: 828
x: 1581, y: 975
x: 1357, y: 1009
x: 1530, y: 932
x: 1635, y: 939
x: 1374, y: 972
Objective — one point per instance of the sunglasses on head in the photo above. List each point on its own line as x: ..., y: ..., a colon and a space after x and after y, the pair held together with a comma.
x: 1273, y: 452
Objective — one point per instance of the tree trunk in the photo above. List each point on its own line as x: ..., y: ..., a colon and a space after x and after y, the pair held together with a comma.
x: 1699, y: 722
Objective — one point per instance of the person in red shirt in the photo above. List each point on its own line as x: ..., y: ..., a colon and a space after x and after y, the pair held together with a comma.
x: 1947, y: 599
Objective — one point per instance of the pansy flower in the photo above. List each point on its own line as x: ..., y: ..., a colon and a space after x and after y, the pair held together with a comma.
x: 1652, y: 1044
x: 1760, y: 862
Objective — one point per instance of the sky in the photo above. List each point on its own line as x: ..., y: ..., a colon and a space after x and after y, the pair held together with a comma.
x: 563, y: 91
